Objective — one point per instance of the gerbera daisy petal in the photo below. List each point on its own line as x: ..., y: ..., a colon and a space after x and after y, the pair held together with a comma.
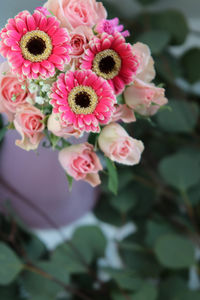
x: 29, y: 44
x: 111, y: 58
x: 84, y: 99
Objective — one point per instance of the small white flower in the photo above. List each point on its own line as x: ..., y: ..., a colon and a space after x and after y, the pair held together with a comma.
x: 40, y: 100
x: 33, y: 88
x: 46, y: 88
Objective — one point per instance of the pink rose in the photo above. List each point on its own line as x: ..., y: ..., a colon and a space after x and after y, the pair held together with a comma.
x: 124, y: 113
x: 57, y: 128
x: 116, y: 144
x: 81, y: 162
x: 145, y: 98
x: 146, y: 70
x: 73, y: 13
x: 79, y: 40
x: 11, y: 92
x: 28, y: 122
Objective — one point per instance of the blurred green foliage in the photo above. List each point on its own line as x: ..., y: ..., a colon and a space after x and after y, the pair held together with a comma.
x: 161, y: 197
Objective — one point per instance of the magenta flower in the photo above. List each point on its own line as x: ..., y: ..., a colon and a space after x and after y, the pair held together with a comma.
x: 111, y: 58
x: 111, y: 26
x: 35, y: 45
x: 83, y: 99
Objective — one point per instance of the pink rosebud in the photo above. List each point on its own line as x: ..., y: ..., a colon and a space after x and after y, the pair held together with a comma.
x: 28, y: 122
x: 79, y: 40
x: 43, y: 10
x: 62, y: 130
x: 124, y: 113
x: 111, y: 26
x: 145, y: 98
x: 13, y: 93
x: 73, y: 13
x: 81, y: 162
x: 116, y: 144
x: 146, y: 71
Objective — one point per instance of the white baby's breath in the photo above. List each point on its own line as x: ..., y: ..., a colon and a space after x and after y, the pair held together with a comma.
x: 39, y: 100
x: 46, y: 88
x: 33, y: 88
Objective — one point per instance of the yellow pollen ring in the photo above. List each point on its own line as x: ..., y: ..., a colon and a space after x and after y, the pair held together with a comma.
x: 34, y: 35
x: 93, y: 100
x: 103, y: 54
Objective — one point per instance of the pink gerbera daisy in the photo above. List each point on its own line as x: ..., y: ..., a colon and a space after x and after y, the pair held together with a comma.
x: 35, y: 45
x: 83, y: 99
x: 111, y: 58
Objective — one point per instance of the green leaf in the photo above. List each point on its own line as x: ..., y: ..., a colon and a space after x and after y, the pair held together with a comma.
x: 168, y: 67
x: 194, y: 195
x: 9, y: 292
x: 155, y: 230
x: 141, y: 262
x: 190, y: 59
x: 126, y: 279
x: 56, y: 269
x: 147, y: 291
x: 172, y: 288
x: 3, y: 132
x: 120, y: 99
x: 35, y: 248
x: 174, y: 252
x: 70, y: 180
x: 66, y: 257
x: 182, y: 118
x: 91, y: 241
x: 54, y: 140
x: 10, y: 265
x: 39, y: 287
x: 157, y: 40
x: 125, y: 200
x: 180, y: 171
x: 172, y: 21
x: 113, y: 177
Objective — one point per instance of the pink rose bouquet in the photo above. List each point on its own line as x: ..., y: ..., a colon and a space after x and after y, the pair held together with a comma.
x: 71, y: 74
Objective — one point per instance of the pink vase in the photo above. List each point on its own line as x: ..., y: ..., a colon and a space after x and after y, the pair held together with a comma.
x: 39, y: 178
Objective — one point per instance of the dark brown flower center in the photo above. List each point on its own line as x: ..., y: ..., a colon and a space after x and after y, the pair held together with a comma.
x: 36, y: 46
x: 82, y: 99
x: 107, y: 64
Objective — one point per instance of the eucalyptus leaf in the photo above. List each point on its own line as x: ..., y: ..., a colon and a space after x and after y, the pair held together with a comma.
x: 126, y: 279
x: 125, y: 200
x: 157, y: 40
x: 3, y: 132
x: 191, y: 64
x: 180, y: 171
x: 174, y: 252
x: 182, y: 117
x: 91, y: 241
x: 147, y: 291
x: 39, y: 287
x: 65, y: 256
x: 11, y: 266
